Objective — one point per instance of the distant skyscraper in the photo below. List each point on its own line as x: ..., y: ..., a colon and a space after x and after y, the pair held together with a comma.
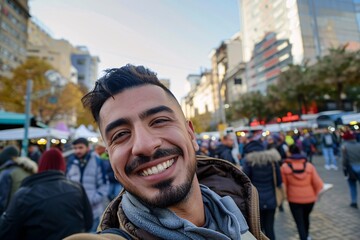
x: 270, y: 57
x: 13, y: 34
x: 310, y: 26
x: 86, y: 66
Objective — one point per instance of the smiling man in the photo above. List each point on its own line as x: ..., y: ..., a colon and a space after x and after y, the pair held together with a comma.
x: 170, y: 193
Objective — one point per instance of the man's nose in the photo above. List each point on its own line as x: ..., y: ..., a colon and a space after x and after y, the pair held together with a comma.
x: 145, y: 142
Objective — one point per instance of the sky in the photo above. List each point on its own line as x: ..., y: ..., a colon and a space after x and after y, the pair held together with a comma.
x: 171, y: 37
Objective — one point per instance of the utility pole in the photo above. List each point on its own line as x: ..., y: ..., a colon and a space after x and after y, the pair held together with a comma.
x: 25, y: 142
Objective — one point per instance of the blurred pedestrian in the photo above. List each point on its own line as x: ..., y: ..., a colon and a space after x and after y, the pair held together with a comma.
x: 114, y: 186
x: 351, y: 164
x: 86, y: 167
x: 302, y: 184
x: 47, y: 205
x: 308, y: 144
x: 13, y: 169
x: 224, y: 150
x: 204, y: 149
x: 34, y: 152
x: 281, y: 145
x: 259, y: 166
x: 328, y: 144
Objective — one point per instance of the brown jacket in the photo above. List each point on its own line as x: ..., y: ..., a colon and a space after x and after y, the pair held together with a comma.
x: 220, y: 176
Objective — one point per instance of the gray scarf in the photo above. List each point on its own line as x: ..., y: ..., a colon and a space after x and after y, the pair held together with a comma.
x: 165, y: 224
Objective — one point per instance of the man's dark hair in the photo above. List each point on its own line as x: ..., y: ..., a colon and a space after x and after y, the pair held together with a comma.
x: 81, y: 141
x: 117, y: 80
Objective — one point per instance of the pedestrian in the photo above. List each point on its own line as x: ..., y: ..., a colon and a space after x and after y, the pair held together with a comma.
x: 114, y: 186
x: 259, y: 166
x: 13, y: 169
x: 328, y: 144
x: 302, y: 184
x: 281, y: 145
x: 170, y: 193
x: 34, y: 152
x: 86, y: 167
x: 351, y: 164
x: 224, y: 150
x: 47, y: 205
x: 308, y: 144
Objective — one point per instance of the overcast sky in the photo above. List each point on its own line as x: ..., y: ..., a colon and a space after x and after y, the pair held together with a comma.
x: 171, y: 37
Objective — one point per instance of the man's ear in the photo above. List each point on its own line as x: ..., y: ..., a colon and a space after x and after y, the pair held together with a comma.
x: 191, y: 132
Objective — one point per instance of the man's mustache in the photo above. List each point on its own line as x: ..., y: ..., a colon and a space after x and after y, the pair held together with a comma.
x: 159, y: 153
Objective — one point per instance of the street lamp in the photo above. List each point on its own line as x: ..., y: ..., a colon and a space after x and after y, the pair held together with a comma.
x: 56, y: 81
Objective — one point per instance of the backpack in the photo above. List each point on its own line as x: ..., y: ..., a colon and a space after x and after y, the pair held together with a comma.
x: 328, y: 140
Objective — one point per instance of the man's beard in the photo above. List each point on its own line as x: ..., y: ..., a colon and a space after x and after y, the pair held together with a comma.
x: 169, y: 194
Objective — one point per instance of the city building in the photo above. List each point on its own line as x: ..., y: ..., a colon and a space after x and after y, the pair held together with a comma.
x: 224, y: 60
x: 86, y: 66
x: 187, y: 104
x: 14, y: 16
x: 57, y: 52
x: 199, y: 103
x: 310, y: 26
x: 270, y: 57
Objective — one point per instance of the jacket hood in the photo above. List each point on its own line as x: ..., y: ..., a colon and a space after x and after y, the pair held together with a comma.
x: 27, y: 164
x: 263, y: 157
x: 296, y: 165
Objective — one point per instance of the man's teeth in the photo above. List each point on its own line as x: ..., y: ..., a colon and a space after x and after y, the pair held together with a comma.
x: 158, y: 168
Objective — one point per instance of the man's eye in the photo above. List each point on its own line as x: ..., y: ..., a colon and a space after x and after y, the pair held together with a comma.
x: 160, y: 121
x: 119, y: 136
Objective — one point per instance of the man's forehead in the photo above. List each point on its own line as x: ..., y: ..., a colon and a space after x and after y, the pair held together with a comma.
x: 134, y: 101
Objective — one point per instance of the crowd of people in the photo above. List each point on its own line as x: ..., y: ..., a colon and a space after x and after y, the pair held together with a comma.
x: 48, y: 195
x: 175, y: 185
x: 287, y: 160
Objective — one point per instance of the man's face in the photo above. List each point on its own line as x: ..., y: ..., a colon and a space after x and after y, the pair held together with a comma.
x: 80, y: 150
x: 150, y: 144
x: 229, y: 142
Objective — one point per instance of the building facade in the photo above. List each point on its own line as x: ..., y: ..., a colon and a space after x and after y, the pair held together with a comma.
x: 86, y: 66
x: 311, y: 26
x: 14, y: 15
x: 270, y: 57
x: 57, y: 52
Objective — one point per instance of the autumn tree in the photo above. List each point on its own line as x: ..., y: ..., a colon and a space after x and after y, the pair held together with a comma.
x: 45, y: 104
x: 251, y: 105
x: 298, y: 87
x: 337, y: 71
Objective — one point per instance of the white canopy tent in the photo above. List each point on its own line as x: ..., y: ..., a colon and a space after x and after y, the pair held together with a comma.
x: 82, y: 131
x: 18, y: 133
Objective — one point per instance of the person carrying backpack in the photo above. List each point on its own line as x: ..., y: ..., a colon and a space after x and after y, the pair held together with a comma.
x: 303, y: 185
x: 328, y: 142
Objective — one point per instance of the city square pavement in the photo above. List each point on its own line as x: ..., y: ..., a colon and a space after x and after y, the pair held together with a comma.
x: 332, y: 217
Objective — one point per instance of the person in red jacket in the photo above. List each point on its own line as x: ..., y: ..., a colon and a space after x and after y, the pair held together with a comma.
x: 302, y: 184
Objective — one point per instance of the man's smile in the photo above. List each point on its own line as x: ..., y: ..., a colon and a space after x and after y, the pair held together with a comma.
x: 159, y: 168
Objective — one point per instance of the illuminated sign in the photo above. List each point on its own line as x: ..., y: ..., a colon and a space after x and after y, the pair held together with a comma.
x: 288, y: 118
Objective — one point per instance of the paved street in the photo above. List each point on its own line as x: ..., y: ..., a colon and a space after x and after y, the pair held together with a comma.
x: 332, y: 218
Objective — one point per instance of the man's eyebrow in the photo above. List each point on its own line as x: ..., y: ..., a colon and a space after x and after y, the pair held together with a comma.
x: 116, y: 123
x: 155, y: 110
